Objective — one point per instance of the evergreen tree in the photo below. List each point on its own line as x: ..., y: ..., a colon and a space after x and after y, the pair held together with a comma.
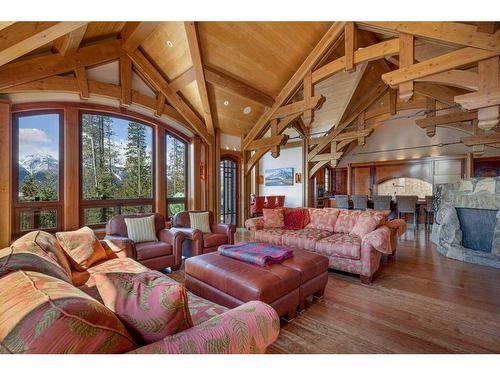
x: 137, y: 182
x: 48, y: 187
x: 30, y: 188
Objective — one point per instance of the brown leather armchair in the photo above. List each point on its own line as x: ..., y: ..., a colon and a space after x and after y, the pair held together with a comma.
x: 167, y: 252
x: 198, y: 243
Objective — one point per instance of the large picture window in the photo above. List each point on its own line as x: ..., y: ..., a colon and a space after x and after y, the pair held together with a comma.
x: 176, y: 168
x: 37, y: 168
x: 116, y: 167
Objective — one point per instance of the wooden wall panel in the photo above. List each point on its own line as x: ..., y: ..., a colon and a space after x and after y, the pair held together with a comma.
x: 71, y: 209
x: 361, y: 180
x: 5, y: 168
x: 340, y: 181
x: 487, y: 167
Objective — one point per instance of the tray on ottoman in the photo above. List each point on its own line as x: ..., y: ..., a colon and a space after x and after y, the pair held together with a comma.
x: 231, y: 282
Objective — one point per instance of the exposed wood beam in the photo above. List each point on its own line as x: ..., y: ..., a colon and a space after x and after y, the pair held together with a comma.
x: 24, y: 37
x: 275, y: 140
x: 286, y: 122
x: 301, y: 128
x: 299, y: 107
x: 5, y: 24
x: 479, y: 99
x: 406, y: 58
x: 431, y: 112
x: 376, y: 93
x: 154, y: 77
x: 126, y: 80
x: 81, y: 78
x: 370, y: 53
x: 438, y: 64
x: 344, y: 136
x: 70, y: 42
x: 308, y: 90
x: 160, y: 104
x: 316, y: 167
x: 488, y: 71
x: 330, y: 37
x: 196, y: 58
x: 393, y: 101
x: 37, y: 68
x: 183, y: 80
x: 484, y: 139
x: 228, y: 83
x: 456, y: 78
x: 327, y: 157
x: 102, y: 89
x: 446, y: 119
x: 442, y: 94
x: 449, y: 33
x: 350, y: 34
x: 134, y: 34
x: 254, y: 159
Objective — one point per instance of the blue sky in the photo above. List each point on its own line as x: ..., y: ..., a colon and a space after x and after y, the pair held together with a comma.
x: 39, y: 134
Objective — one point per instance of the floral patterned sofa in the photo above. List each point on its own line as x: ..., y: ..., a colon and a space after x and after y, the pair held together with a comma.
x: 48, y: 307
x: 353, y: 241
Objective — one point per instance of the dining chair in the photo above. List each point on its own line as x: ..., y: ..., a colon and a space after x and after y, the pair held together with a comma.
x: 360, y: 202
x: 429, y: 210
x: 407, y: 204
x: 382, y: 202
x: 342, y: 201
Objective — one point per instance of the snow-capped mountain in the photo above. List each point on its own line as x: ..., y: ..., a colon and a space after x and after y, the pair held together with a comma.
x: 38, y: 165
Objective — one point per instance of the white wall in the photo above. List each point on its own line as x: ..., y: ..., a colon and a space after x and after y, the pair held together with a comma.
x: 402, y: 133
x: 289, y: 158
x: 230, y: 142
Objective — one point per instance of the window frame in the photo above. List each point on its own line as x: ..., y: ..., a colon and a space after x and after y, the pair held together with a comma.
x: 236, y: 184
x: 115, y: 202
x: 172, y: 200
x: 17, y: 206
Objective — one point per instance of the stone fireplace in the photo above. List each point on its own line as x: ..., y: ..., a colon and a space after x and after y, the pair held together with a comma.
x: 467, y: 223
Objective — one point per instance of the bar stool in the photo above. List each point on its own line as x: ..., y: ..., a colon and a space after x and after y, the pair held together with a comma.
x: 360, y: 202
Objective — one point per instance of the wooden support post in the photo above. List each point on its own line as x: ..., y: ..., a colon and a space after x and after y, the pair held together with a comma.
x: 216, y: 172
x: 406, y: 58
x: 469, y: 171
x: 83, y: 85
x: 160, y: 170
x: 308, y: 117
x: 488, y: 79
x: 196, y: 180
x: 431, y: 107
x: 210, y: 177
x: 350, y: 34
x: 349, y: 179
x: 305, y: 172
x: 160, y: 104
x: 247, y: 182
x: 5, y: 176
x: 71, y: 209
x: 275, y: 150
x: 393, y: 100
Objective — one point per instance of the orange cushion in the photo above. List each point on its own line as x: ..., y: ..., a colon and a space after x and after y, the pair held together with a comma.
x: 273, y: 217
x: 82, y: 248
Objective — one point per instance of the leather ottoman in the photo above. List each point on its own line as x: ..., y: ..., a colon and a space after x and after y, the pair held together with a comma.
x: 231, y: 282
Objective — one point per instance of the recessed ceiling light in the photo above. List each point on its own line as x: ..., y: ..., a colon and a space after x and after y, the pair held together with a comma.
x: 170, y: 44
x: 247, y: 110
x: 226, y: 102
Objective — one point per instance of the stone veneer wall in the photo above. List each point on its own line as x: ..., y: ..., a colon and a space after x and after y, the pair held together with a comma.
x: 446, y: 232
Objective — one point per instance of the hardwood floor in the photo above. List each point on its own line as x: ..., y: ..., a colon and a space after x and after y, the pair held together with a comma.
x: 419, y: 302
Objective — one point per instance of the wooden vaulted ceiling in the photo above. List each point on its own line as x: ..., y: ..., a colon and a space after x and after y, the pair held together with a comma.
x: 206, y: 75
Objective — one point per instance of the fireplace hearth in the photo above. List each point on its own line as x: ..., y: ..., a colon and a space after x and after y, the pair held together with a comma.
x: 467, y: 225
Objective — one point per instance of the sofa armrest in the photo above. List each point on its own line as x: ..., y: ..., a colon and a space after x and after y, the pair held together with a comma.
x: 120, y: 245
x: 249, y: 328
x: 174, y: 238
x: 228, y: 229
x: 398, y: 225
x: 254, y: 223
x: 190, y: 234
x: 379, y: 239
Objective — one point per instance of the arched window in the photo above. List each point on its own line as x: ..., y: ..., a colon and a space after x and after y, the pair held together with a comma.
x: 116, y: 167
x: 37, y: 171
x: 176, y: 171
x: 405, y: 186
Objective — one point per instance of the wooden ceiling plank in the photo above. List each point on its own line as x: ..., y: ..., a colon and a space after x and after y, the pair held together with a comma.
x: 449, y: 33
x: 456, y: 78
x: 350, y: 46
x: 452, y: 60
x: 83, y: 85
x: 36, y: 68
x: 126, y: 81
x: 5, y: 24
x: 374, y: 52
x: 196, y: 58
x: 155, y: 78
x: 134, y: 34
x: 332, y: 35
x: 406, y: 58
x: 24, y: 37
x: 227, y: 83
x: 183, y: 80
x: 70, y: 42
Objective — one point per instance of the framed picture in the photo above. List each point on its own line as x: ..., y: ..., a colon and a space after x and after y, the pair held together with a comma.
x: 279, y: 177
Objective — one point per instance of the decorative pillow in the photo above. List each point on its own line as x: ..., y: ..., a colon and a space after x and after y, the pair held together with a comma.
x: 487, y: 184
x: 346, y: 221
x: 200, y: 221
x: 295, y: 218
x: 42, y: 314
x: 273, y: 217
x: 82, y: 248
x: 323, y: 218
x: 151, y: 305
x: 367, y: 222
x: 141, y: 229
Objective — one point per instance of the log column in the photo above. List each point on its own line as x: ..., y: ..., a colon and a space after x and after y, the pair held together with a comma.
x: 5, y: 175
x: 160, y: 172
x: 71, y: 208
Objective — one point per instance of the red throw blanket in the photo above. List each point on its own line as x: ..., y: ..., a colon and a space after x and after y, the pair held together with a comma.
x: 262, y: 254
